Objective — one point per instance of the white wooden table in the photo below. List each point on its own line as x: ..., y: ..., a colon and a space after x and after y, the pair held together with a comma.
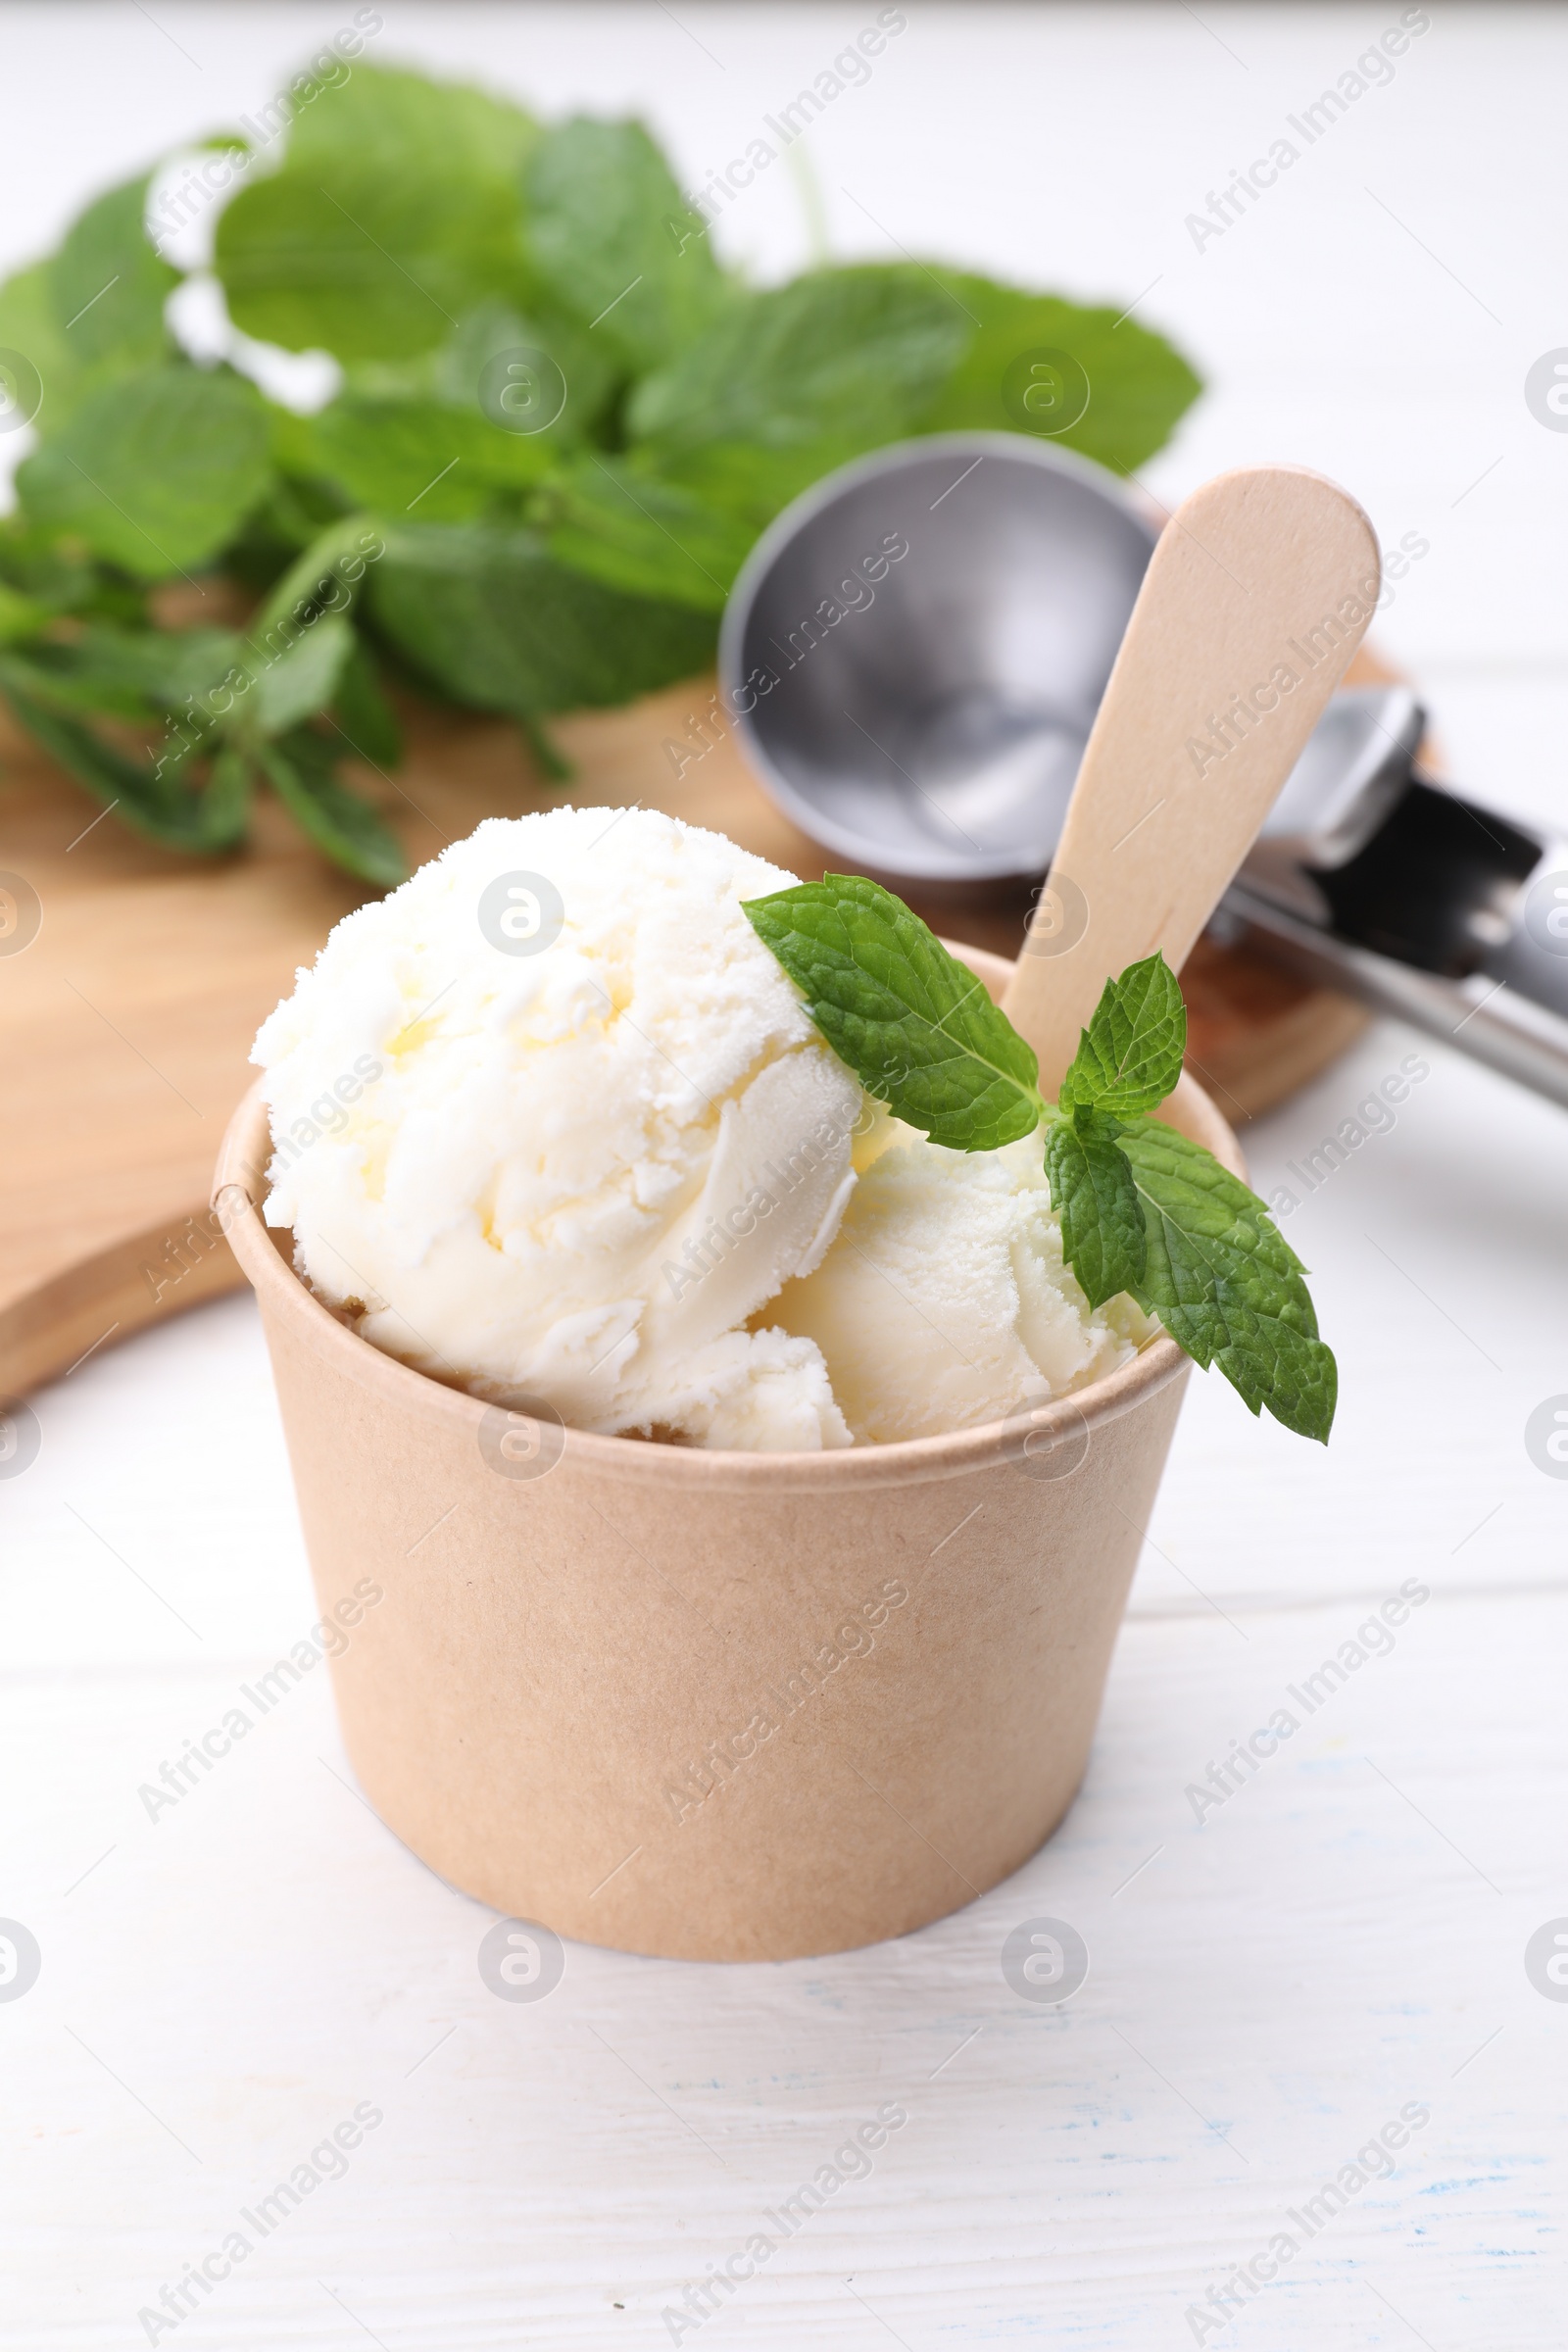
x: 1343, y: 1939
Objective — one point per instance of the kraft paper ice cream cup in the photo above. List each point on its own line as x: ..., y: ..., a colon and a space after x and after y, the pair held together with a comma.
x: 715, y: 1705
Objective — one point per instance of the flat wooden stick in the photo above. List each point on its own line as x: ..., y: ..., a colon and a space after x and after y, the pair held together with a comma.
x: 1258, y: 592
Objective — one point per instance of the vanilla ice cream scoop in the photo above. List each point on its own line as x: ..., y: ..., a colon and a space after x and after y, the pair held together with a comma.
x: 945, y: 1300
x: 550, y: 1122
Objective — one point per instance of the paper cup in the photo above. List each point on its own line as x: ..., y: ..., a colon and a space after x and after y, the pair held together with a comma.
x: 722, y: 1706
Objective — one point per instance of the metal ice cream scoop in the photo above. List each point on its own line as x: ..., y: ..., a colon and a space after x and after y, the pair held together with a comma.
x: 913, y: 658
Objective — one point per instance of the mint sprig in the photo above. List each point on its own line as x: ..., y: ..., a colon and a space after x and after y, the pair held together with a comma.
x: 566, y: 415
x: 1143, y: 1210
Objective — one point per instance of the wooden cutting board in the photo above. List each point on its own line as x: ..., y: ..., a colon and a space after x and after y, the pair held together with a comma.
x: 124, y: 1024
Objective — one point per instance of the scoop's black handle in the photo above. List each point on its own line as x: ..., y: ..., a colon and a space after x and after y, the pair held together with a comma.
x: 1449, y: 916
x: 1449, y: 886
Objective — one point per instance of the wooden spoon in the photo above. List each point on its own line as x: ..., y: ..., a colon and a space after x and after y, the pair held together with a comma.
x: 1257, y: 594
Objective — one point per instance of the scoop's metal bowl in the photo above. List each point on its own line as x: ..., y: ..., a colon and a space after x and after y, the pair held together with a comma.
x: 914, y: 652
x: 913, y: 658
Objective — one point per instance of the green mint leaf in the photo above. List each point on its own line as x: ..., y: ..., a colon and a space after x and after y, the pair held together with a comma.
x: 791, y: 383
x: 30, y: 325
x: 915, y: 1027
x: 397, y: 208
x: 108, y: 286
x: 616, y: 243
x: 391, y: 454
x: 487, y: 615
x: 299, y: 768
x: 623, y: 525
x: 168, y: 667
x: 1225, y: 1283
x: 121, y: 673
x: 20, y: 617
x: 1129, y: 1055
x: 325, y: 576
x: 1096, y: 1200
x: 839, y: 360
x: 60, y: 573
x: 748, y: 482
x: 302, y: 681
x: 164, y: 809
x: 453, y: 372
x: 361, y: 713
x: 226, y: 804
x: 1133, y: 384
x: 154, y: 470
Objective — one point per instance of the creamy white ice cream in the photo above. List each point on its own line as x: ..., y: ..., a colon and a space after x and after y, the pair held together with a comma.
x: 551, y: 1124
x: 563, y: 1140
x: 945, y: 1303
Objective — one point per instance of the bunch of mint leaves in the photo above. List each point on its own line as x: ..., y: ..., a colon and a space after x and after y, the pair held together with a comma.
x: 421, y: 232
x: 1143, y: 1210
